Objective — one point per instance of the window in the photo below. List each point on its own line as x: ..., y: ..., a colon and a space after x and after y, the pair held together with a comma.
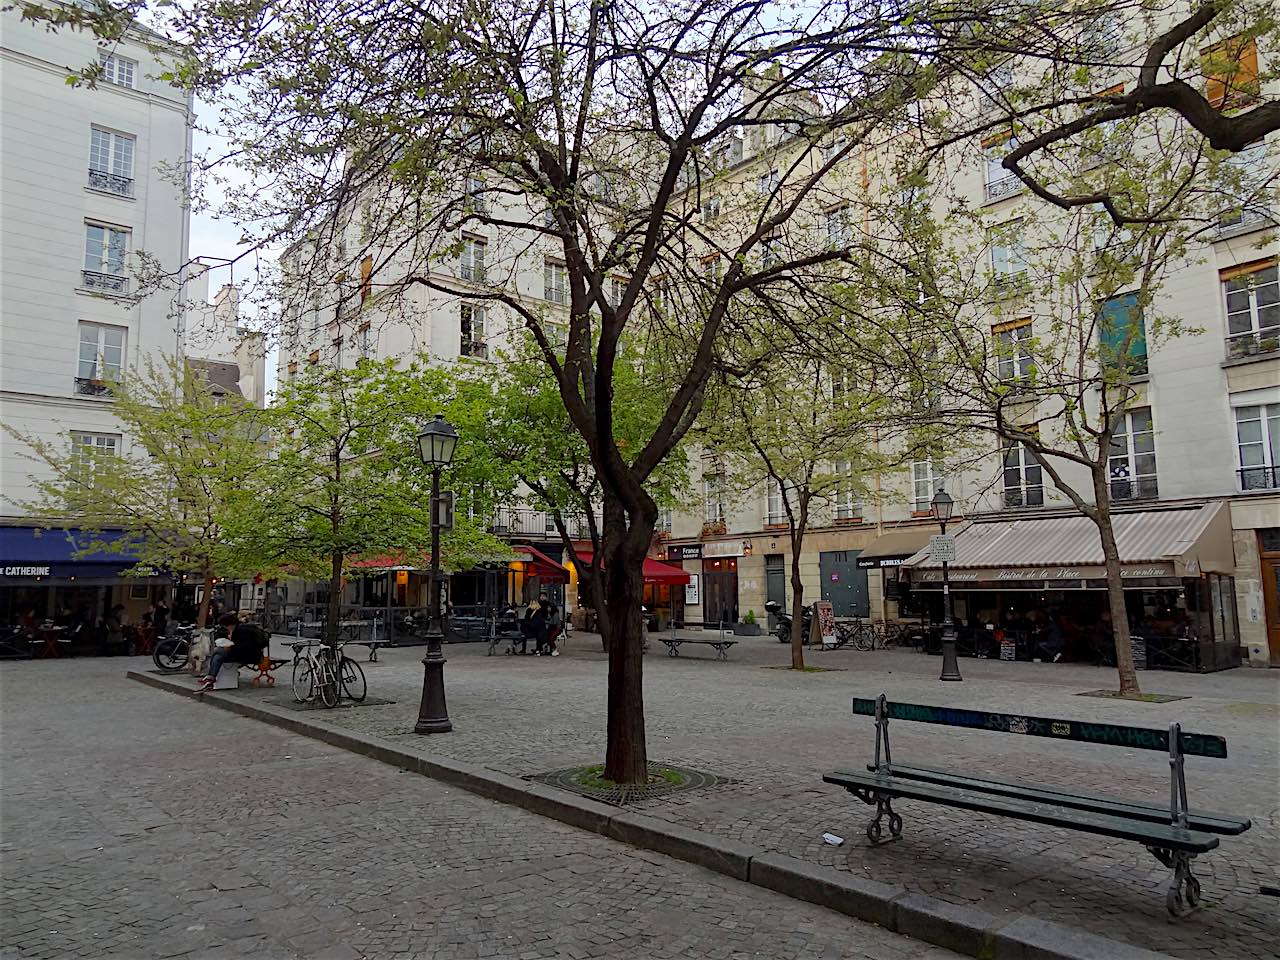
x: 1230, y: 72
x: 111, y: 162
x: 774, y: 512
x: 1131, y: 463
x: 104, y: 252
x: 1122, y: 335
x: 769, y: 255
x: 1013, y: 350
x: 839, y: 233
x: 117, y: 69
x: 998, y: 83
x: 1253, y: 309
x: 841, y: 386
x: 90, y: 453
x: 1023, y: 480
x: 365, y: 342
x: 101, y: 357
x: 767, y: 183
x: 926, y: 480
x: 614, y: 289
x: 663, y: 524
x: 1247, y: 175
x: 475, y: 196
x: 471, y: 322
x: 999, y: 181
x: 471, y: 262
x: 831, y: 149
x: 848, y: 507
x: 711, y: 210
x: 1008, y: 257
x: 713, y: 498
x: 1107, y: 33
x: 1258, y: 441
x: 555, y: 282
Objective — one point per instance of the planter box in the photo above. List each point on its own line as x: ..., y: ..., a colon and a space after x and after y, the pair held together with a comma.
x: 747, y: 630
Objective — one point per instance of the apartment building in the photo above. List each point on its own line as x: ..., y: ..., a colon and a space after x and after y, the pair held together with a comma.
x: 85, y: 188
x: 1192, y: 467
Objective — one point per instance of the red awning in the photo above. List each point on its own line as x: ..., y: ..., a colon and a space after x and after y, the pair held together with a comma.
x: 654, y: 571
x: 540, y: 565
x: 391, y: 561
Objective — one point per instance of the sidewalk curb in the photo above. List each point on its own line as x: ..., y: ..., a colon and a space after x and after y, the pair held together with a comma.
x: 960, y: 928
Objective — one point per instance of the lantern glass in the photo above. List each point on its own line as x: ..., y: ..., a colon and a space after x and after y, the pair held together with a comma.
x: 437, y: 442
x: 941, y: 506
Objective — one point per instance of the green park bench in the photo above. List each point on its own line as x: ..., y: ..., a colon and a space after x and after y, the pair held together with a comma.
x: 1174, y: 835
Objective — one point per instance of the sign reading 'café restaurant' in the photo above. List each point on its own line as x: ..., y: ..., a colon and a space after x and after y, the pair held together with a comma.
x: 1023, y: 575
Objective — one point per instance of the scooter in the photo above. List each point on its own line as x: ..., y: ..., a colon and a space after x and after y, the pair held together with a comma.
x: 783, y: 630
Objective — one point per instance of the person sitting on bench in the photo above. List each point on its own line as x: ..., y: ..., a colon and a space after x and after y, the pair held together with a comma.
x: 247, y: 641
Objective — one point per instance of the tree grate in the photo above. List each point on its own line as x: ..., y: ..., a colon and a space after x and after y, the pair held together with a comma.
x: 665, y: 780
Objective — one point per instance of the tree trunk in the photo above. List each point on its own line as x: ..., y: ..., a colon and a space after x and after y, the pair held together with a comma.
x: 797, y: 608
x: 1115, y: 589
x: 202, y: 612
x: 334, y: 610
x: 626, y: 541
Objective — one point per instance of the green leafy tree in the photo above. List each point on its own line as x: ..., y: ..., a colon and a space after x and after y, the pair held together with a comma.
x: 173, y: 496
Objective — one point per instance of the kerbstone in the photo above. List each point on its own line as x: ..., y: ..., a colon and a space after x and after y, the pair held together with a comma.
x: 854, y: 896
x: 675, y: 840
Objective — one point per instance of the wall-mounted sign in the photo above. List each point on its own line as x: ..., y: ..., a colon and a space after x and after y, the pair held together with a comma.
x: 1018, y: 574
x: 872, y: 563
x: 684, y: 551
x: 33, y: 571
x: 691, y: 590
x: 722, y: 548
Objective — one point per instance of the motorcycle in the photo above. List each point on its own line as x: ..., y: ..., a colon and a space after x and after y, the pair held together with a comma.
x: 783, y: 630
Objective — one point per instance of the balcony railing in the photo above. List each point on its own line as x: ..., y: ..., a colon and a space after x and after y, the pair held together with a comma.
x: 472, y: 271
x: 527, y: 522
x: 474, y: 348
x: 1004, y: 187
x: 111, y: 183
x: 1259, y: 478
x: 106, y: 282
x: 86, y: 387
x: 1254, y: 343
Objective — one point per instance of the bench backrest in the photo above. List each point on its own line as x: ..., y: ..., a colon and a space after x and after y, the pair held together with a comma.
x: 1139, y: 738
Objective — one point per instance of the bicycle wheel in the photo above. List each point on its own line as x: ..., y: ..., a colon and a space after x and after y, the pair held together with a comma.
x: 327, y: 680
x: 864, y: 639
x: 353, y: 684
x: 172, y: 655
x: 304, y: 681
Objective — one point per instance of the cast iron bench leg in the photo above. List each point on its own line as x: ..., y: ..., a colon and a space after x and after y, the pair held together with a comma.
x: 884, y: 807
x: 1183, y: 896
x: 673, y: 648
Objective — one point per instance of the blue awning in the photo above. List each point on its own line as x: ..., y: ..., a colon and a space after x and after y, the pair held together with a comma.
x: 28, y: 546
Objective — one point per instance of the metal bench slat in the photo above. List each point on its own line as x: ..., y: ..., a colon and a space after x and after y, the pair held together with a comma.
x: 1198, y: 820
x: 1157, y: 835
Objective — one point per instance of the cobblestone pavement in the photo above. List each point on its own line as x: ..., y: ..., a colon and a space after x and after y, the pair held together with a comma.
x: 777, y: 732
x: 134, y: 824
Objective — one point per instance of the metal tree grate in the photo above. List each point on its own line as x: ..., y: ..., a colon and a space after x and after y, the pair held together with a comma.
x: 665, y: 780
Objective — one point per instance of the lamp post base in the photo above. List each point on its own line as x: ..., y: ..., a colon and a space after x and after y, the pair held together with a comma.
x: 950, y: 665
x: 433, y: 714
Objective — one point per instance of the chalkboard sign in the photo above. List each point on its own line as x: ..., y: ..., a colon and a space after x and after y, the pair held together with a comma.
x: 1140, y: 738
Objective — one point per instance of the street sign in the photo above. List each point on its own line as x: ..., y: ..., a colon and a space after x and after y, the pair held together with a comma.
x: 942, y: 548
x: 444, y: 511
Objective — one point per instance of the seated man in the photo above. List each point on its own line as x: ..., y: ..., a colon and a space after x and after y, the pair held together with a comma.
x: 238, y: 642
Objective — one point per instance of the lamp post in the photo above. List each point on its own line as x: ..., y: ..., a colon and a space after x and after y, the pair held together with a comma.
x: 941, y: 507
x: 436, y: 443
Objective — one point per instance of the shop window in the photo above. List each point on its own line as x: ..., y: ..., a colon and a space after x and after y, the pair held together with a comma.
x: 1131, y: 465
x: 1122, y: 336
x: 1231, y: 72
x: 1023, y: 477
x: 1252, y: 296
x: 1258, y: 445
x: 1013, y: 350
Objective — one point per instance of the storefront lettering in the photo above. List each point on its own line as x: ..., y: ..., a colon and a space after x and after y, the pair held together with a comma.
x: 1144, y: 572
x: 26, y: 571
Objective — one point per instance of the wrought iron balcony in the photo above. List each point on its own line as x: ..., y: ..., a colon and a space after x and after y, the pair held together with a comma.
x: 1254, y: 343
x: 111, y: 183
x: 1004, y: 187
x: 1259, y: 478
x: 474, y: 348
x: 519, y: 522
x: 106, y: 282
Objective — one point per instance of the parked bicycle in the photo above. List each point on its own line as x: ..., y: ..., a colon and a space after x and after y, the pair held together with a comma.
x: 172, y: 654
x: 322, y: 671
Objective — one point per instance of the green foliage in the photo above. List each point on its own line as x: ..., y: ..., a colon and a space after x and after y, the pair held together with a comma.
x: 750, y: 618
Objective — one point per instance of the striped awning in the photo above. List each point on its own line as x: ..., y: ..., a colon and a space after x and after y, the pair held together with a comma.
x: 1174, y: 541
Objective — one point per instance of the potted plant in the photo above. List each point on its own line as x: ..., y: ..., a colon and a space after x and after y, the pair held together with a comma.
x: 714, y: 528
x: 1269, y: 345
x: 748, y: 627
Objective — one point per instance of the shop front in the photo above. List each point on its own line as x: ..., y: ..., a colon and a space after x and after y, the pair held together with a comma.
x: 1035, y: 588
x: 664, y: 590
x: 881, y: 561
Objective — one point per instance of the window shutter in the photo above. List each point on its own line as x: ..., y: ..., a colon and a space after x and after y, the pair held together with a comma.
x: 1231, y: 72
x: 366, y: 281
x: 1243, y: 269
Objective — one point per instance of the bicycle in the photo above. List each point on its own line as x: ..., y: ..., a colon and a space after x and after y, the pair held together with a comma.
x: 325, y: 671
x: 172, y: 654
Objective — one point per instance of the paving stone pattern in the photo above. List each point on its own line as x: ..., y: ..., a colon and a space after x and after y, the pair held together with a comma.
x: 135, y: 824
x: 776, y: 733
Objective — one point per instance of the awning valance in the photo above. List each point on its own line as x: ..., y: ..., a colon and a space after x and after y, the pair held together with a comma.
x: 655, y: 571
x: 540, y: 565
x: 1176, y: 541
x: 892, y: 547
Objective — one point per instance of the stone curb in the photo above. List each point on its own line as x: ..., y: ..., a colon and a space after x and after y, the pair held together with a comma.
x: 960, y: 928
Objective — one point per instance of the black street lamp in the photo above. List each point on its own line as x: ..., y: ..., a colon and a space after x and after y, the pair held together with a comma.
x: 941, y: 507
x: 436, y: 443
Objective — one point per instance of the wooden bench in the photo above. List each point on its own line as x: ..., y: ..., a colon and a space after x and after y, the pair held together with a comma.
x: 1174, y: 835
